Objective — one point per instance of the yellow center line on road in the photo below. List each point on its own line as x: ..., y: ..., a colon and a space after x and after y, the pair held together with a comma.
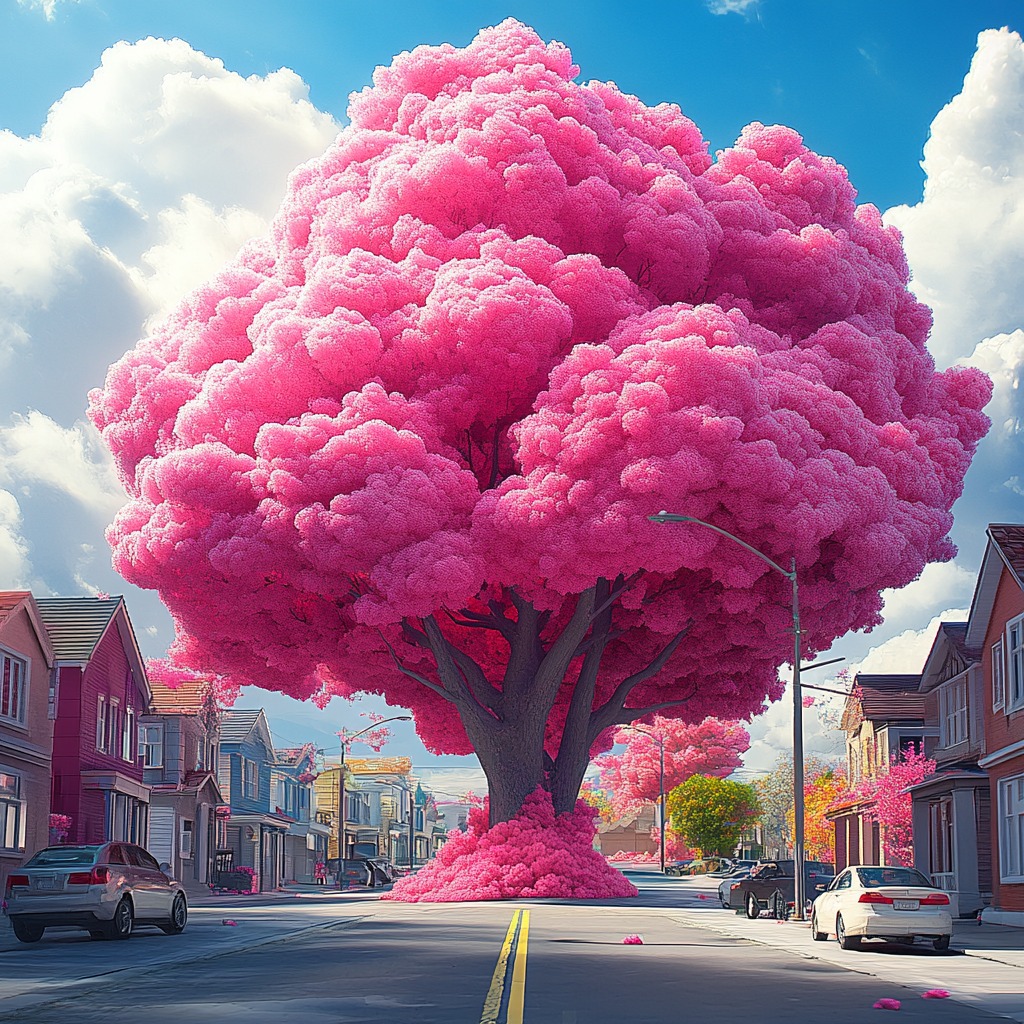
x: 492, y: 1004
x: 517, y: 993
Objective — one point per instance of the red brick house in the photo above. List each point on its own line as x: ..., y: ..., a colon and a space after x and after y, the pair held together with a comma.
x: 996, y: 627
x: 26, y: 730
x: 101, y: 691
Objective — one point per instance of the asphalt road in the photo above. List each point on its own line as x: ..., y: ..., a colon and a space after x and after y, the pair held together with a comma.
x: 336, y: 961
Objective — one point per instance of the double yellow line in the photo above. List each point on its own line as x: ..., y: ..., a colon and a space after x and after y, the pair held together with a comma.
x: 518, y: 934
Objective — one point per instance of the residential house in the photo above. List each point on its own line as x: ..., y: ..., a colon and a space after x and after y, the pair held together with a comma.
x: 293, y: 798
x: 379, y: 793
x: 995, y: 626
x: 633, y: 833
x: 101, y: 691
x: 951, y: 808
x: 255, y: 832
x: 179, y: 740
x: 26, y: 729
x: 884, y: 716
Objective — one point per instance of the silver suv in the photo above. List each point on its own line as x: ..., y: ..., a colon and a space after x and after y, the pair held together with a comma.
x: 106, y: 890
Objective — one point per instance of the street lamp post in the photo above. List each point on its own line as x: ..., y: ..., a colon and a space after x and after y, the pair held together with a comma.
x: 345, y: 740
x: 798, y: 708
x: 661, y: 785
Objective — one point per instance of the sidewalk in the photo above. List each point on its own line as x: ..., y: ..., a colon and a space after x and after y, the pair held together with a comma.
x: 982, y: 967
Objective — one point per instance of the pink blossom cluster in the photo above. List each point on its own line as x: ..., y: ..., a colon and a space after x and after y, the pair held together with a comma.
x: 537, y: 853
x: 710, y: 747
x: 500, y: 322
x: 626, y: 857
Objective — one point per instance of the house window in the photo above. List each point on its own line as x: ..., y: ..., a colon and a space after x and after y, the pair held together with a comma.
x: 953, y: 713
x: 1015, y: 663
x: 151, y: 745
x: 12, y: 812
x: 940, y: 836
x: 186, y: 840
x: 127, y: 732
x: 998, y: 677
x: 1011, y: 829
x: 12, y: 688
x: 101, y: 723
x: 250, y: 779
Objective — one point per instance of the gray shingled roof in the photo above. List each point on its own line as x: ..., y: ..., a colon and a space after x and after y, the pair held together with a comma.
x: 236, y: 725
x: 76, y: 624
x: 890, y: 696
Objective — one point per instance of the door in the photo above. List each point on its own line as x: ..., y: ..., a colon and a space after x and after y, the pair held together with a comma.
x: 152, y: 891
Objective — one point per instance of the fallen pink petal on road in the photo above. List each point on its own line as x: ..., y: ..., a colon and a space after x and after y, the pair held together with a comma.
x: 632, y: 940
x: 886, y: 1004
x: 935, y: 993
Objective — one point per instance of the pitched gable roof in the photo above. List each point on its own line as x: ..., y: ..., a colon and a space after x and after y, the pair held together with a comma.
x: 883, y: 698
x: 186, y: 699
x: 1004, y: 550
x: 77, y: 624
x: 949, y: 655
x: 236, y: 726
x: 11, y: 601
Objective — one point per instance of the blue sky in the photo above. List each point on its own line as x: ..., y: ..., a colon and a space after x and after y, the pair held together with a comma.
x: 116, y: 196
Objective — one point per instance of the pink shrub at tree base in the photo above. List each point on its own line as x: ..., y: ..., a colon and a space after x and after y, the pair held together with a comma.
x: 537, y: 853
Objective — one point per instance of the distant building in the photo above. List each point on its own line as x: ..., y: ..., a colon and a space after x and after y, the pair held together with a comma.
x: 180, y: 742
x: 255, y: 832
x: 630, y: 834
x: 884, y: 716
x: 26, y: 729
x: 101, y: 692
x: 293, y: 798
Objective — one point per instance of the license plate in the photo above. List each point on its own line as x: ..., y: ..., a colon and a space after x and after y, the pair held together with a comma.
x: 906, y: 904
x: 49, y: 882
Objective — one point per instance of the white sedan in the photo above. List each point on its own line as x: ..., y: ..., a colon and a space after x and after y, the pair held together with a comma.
x: 882, y: 902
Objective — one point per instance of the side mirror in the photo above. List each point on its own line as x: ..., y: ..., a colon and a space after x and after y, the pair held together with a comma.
x: 165, y: 868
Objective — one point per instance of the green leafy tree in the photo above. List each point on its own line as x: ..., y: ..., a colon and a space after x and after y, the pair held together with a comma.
x: 710, y: 813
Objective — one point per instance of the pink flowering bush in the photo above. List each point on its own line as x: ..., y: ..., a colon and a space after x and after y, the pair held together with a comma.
x: 537, y: 853
x: 625, y: 857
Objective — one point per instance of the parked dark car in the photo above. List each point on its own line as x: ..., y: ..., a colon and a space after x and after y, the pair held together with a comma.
x: 771, y: 886
x: 677, y: 867
x: 369, y: 871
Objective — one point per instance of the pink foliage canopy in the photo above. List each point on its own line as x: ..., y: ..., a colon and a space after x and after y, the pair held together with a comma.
x: 711, y: 747
x: 535, y: 854
x: 500, y: 322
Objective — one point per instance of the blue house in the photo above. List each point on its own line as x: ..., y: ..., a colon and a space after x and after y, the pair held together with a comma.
x: 255, y: 830
x: 292, y: 797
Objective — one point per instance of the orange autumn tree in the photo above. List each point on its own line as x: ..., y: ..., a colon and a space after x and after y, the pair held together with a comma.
x: 819, y: 795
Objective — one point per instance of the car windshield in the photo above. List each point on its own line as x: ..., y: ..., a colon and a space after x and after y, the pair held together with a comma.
x: 57, y: 856
x: 874, y: 878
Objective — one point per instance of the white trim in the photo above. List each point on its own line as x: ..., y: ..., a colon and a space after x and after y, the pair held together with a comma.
x: 998, y: 677
x: 1014, y: 678
x: 1001, y: 755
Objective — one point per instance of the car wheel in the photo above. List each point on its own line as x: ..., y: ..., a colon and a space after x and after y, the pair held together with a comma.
x: 124, y: 919
x: 753, y: 907
x: 26, y: 931
x: 844, y: 940
x: 941, y: 943
x: 179, y: 915
x: 815, y: 934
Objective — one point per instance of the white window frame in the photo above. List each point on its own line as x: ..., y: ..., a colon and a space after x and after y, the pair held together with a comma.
x: 998, y: 676
x: 185, y: 840
x: 102, y: 719
x: 113, y: 727
x: 953, y: 712
x: 148, y: 745
x: 128, y: 732
x: 1011, y: 829
x: 1015, y: 664
x: 250, y: 779
x: 16, y: 691
x: 12, y: 815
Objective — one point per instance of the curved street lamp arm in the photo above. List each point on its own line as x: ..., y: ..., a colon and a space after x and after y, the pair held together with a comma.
x: 673, y: 517
x: 375, y: 725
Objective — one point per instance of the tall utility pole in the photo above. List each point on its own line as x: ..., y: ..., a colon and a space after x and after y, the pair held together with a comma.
x: 798, y: 706
x: 345, y: 741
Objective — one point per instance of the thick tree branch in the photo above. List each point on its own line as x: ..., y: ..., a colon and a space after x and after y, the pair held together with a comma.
x: 453, y: 672
x: 628, y: 715
x: 524, y: 649
x: 429, y: 684
x: 552, y: 669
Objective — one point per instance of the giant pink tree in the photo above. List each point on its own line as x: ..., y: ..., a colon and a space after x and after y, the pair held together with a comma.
x: 711, y: 747
x: 407, y: 442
